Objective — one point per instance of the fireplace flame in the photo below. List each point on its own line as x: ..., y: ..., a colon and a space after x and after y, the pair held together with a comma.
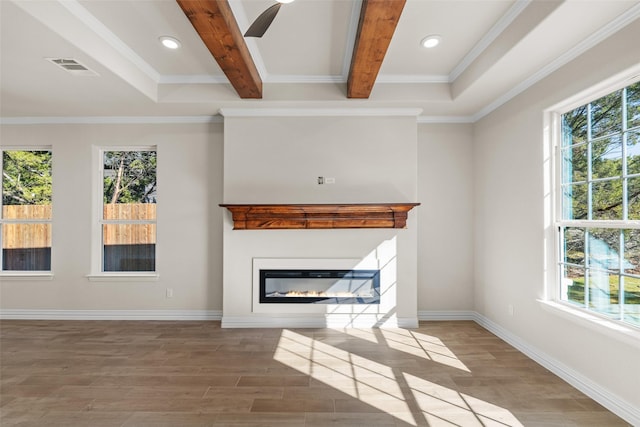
x: 320, y: 294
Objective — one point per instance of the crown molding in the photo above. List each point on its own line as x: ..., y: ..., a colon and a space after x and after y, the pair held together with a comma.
x: 319, y: 112
x: 488, y: 38
x: 611, y: 28
x: 613, y: 83
x: 444, y: 119
x: 288, y: 78
x: 8, y: 121
x: 302, y: 79
x: 193, y: 79
x: 98, y: 120
x: 234, y: 112
x: 411, y: 78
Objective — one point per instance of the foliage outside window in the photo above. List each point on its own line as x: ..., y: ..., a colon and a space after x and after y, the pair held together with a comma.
x: 129, y: 210
x: 600, y: 206
x: 25, y: 219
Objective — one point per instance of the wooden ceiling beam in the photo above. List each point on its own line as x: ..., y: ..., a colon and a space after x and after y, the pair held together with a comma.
x: 378, y: 21
x: 216, y: 25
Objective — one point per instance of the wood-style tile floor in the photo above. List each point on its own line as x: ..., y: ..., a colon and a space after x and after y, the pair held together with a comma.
x: 143, y: 373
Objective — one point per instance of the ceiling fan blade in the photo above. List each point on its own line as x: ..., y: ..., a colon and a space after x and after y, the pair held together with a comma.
x: 262, y: 22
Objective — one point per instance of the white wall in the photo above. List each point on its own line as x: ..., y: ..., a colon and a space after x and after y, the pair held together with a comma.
x: 511, y: 236
x: 189, y: 248
x: 190, y: 180
x: 445, y: 239
x: 278, y: 160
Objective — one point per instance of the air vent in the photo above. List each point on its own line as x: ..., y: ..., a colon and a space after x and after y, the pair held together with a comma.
x: 72, y: 66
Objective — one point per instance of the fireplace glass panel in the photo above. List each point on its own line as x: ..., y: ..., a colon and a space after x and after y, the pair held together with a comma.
x: 320, y: 286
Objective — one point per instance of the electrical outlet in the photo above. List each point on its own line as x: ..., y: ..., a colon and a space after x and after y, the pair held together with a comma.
x: 169, y: 293
x: 329, y: 180
x: 510, y: 308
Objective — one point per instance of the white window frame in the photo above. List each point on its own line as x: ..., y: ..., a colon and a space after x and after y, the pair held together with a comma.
x: 97, y: 256
x: 24, y: 274
x: 552, y: 298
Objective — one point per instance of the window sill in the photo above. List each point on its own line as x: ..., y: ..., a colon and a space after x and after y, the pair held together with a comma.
x: 26, y: 275
x: 123, y: 277
x: 618, y: 331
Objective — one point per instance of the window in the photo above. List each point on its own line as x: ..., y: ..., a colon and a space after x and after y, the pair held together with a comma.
x: 128, y: 214
x: 599, y: 222
x: 25, y: 219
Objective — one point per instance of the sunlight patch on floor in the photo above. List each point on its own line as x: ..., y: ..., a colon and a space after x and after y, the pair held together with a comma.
x: 442, y: 406
x: 370, y: 382
x: 390, y: 390
x: 422, y: 345
x: 364, y: 334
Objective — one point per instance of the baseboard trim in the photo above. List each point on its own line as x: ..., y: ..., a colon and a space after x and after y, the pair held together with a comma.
x: 323, y: 321
x: 272, y: 322
x: 604, y: 397
x: 615, y: 404
x: 436, y: 315
x: 333, y: 321
x: 15, y: 314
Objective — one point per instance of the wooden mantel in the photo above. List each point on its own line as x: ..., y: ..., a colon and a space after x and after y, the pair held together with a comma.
x: 286, y: 216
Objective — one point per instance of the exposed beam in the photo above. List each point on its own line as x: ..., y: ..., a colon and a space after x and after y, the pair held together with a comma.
x: 378, y: 21
x: 216, y: 25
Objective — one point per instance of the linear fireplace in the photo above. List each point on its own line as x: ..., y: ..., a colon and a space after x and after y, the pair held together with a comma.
x: 320, y: 286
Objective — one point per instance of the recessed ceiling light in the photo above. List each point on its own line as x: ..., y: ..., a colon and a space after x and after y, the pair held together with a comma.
x: 284, y: 1
x: 431, y: 41
x: 170, y: 42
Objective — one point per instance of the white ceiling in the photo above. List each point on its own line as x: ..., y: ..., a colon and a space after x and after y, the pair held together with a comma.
x: 491, y: 50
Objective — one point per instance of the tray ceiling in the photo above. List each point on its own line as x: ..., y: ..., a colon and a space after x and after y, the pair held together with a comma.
x: 490, y: 51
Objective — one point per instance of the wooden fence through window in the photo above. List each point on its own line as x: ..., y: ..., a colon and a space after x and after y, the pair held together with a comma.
x: 129, y: 234
x: 38, y: 235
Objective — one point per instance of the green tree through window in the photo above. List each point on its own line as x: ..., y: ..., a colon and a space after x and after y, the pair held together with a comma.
x: 25, y: 220
x: 600, y: 198
x: 26, y: 177
x: 130, y: 176
x: 128, y: 220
